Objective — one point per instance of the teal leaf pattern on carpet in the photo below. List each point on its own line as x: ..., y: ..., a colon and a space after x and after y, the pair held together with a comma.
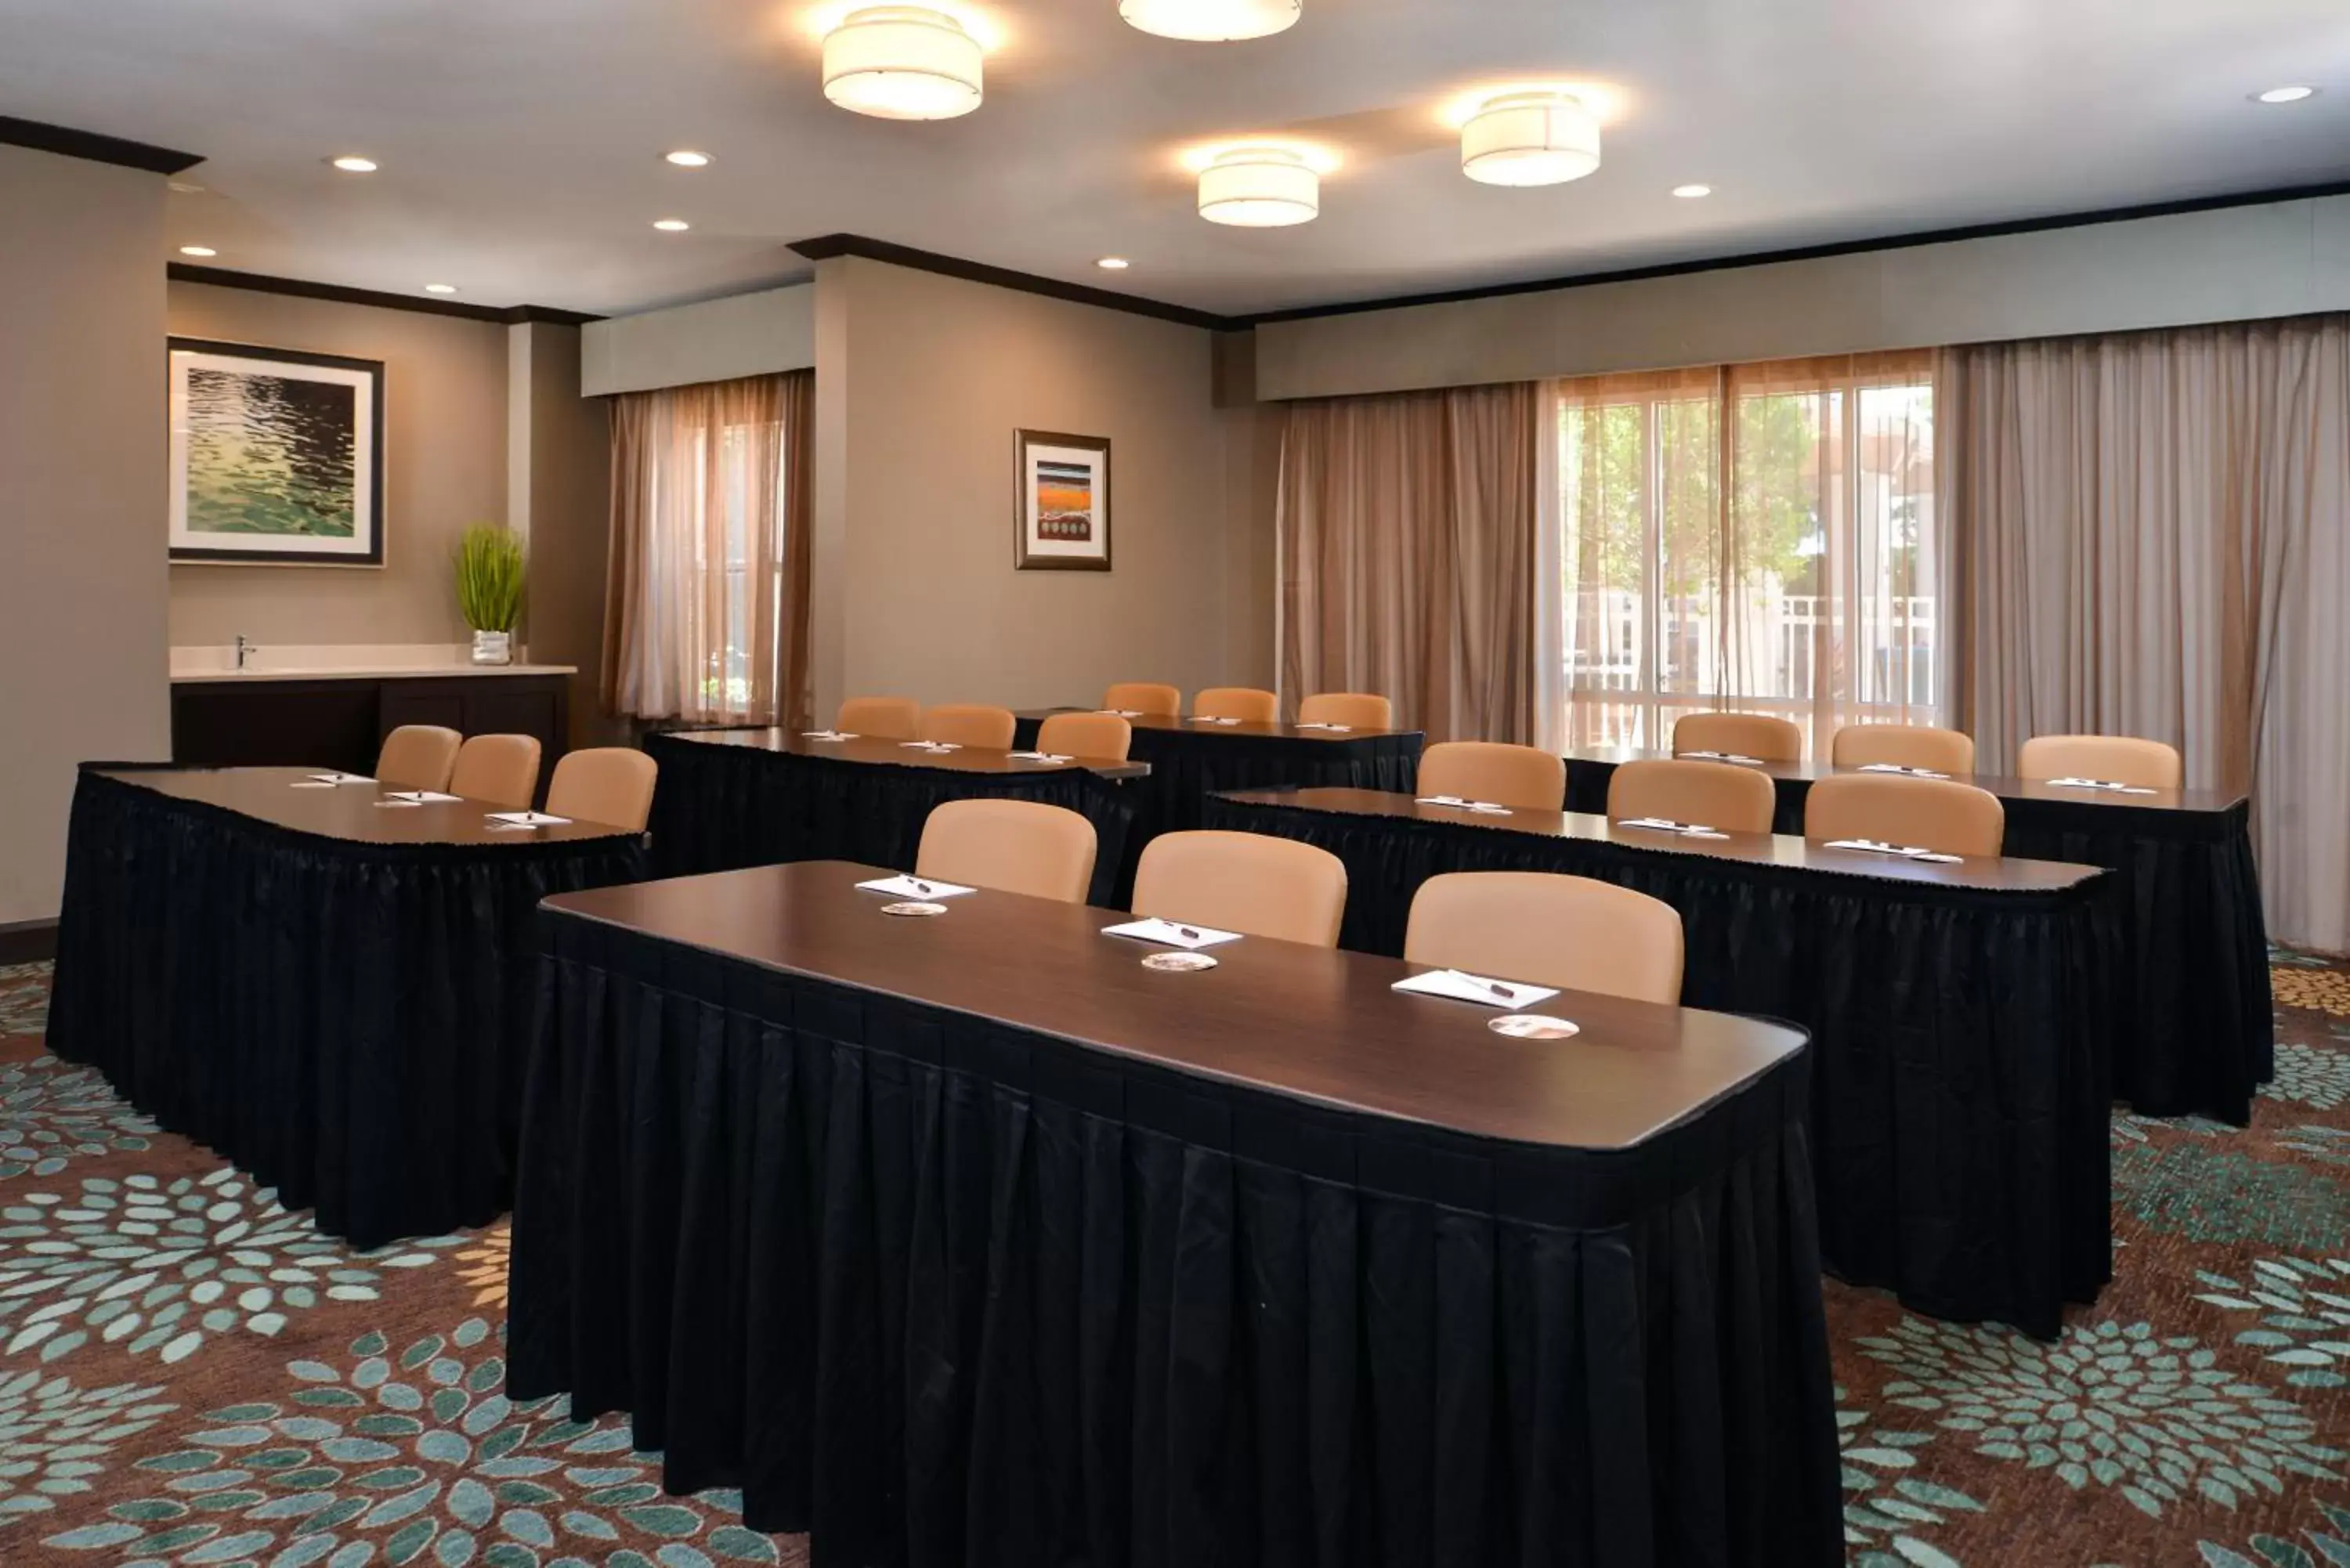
x: 2207, y: 1193
x: 2304, y: 1315
x: 1887, y: 1509
x: 53, y: 1436
x: 24, y: 998
x: 51, y: 1111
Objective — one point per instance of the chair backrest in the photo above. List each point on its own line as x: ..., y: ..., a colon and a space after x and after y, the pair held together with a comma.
x: 1905, y: 746
x: 1568, y: 931
x: 883, y: 718
x: 500, y: 769
x: 1717, y: 794
x: 1356, y: 710
x: 418, y: 756
x: 2114, y: 759
x: 612, y: 785
x: 1246, y: 882
x: 1245, y: 703
x: 1104, y: 737
x: 1014, y: 845
x: 970, y: 724
x: 1524, y: 776
x: 1940, y: 815
x: 1756, y: 735
x: 1145, y: 697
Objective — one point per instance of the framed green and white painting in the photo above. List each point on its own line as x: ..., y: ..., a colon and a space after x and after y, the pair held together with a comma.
x: 277, y: 456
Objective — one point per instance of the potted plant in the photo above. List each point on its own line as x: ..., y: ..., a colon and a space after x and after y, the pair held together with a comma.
x: 489, y: 589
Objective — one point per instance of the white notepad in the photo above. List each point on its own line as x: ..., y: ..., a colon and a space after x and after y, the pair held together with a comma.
x: 340, y: 778
x: 915, y: 888
x: 1459, y: 985
x: 2112, y: 786
x: 527, y: 819
x: 1877, y: 846
x: 1741, y: 760
x: 1898, y: 768
x: 1172, y: 933
x: 825, y: 735
x: 933, y: 746
x: 420, y: 796
x: 1317, y: 724
x: 1206, y: 719
x: 1038, y: 757
x: 1122, y: 713
x: 1490, y: 808
x: 1663, y: 825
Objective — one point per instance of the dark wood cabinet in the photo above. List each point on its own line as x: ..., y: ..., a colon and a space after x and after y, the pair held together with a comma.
x: 341, y: 723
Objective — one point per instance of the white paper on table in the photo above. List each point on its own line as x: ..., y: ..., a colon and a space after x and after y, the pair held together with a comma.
x: 1664, y: 825
x: 1458, y: 985
x: 1122, y: 713
x: 1038, y: 757
x: 341, y: 778
x: 2111, y: 786
x: 903, y: 887
x: 1488, y: 808
x: 309, y: 783
x: 825, y: 735
x: 1742, y: 761
x: 1878, y: 846
x: 931, y: 745
x: 1206, y: 719
x: 528, y: 819
x: 420, y: 796
x: 1898, y: 768
x: 1317, y: 725
x: 1172, y: 933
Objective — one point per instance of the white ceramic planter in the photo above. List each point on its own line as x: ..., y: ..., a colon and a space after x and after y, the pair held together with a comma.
x: 494, y: 647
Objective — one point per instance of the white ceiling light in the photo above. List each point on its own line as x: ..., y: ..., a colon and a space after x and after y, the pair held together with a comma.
x: 1260, y: 187
x: 2286, y: 94
x: 1211, y: 21
x: 1529, y: 138
x: 351, y: 164
x: 1113, y: 264
x: 439, y: 288
x: 903, y: 62
x: 198, y: 251
x: 1691, y: 192
x: 686, y: 157
x: 671, y: 225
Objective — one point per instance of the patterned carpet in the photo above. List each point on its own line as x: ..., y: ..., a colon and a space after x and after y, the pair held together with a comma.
x: 190, y: 1375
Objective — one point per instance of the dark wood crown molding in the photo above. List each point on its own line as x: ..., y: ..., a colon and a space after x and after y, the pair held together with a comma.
x: 303, y: 289
x: 68, y: 142
x: 826, y: 246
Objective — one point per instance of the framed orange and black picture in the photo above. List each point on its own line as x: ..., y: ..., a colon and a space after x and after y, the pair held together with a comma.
x: 1061, y: 502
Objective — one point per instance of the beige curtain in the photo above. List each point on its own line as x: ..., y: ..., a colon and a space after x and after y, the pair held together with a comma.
x: 1408, y: 553
x: 1755, y: 538
x: 2147, y: 538
x: 706, y: 614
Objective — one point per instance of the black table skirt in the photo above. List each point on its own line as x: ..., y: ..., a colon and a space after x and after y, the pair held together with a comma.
x: 943, y: 1291
x: 2201, y: 1033
x: 721, y: 808
x: 1959, y: 1042
x: 349, y: 1022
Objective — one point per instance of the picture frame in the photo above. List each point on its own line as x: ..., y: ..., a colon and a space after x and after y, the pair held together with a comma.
x: 1062, y: 503
x: 277, y: 456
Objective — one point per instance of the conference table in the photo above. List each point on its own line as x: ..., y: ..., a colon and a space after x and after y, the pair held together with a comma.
x: 1961, y: 1017
x: 329, y: 988
x: 973, y: 1238
x: 731, y: 798
x: 2200, y: 1034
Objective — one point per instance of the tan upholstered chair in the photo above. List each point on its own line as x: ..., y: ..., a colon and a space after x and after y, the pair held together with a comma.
x: 1756, y: 735
x: 1101, y: 737
x: 1716, y: 795
x: 2110, y: 758
x: 1566, y: 931
x: 1356, y: 710
x: 1524, y: 776
x: 418, y: 756
x: 1014, y: 845
x: 1247, y: 882
x: 1245, y: 703
x: 1940, y: 815
x: 883, y: 718
x: 1905, y: 746
x: 611, y: 784
x: 1146, y: 698
x: 500, y: 769
x: 970, y: 724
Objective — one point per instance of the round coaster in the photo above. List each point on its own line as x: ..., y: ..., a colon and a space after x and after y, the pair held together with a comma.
x: 1532, y: 1026
x: 1178, y: 963
x: 913, y: 909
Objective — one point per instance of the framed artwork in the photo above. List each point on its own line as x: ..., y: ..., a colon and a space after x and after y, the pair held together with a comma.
x: 277, y: 456
x: 1061, y: 502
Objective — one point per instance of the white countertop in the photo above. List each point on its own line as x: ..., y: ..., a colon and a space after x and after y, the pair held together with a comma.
x: 394, y: 661
x: 383, y: 672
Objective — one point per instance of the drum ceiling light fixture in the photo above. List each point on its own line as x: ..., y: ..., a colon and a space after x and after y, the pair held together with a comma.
x: 1538, y: 137
x: 1260, y: 187
x: 1211, y: 21
x: 903, y: 62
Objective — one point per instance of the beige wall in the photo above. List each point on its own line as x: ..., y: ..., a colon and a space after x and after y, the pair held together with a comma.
x: 445, y: 427
x: 716, y: 340
x: 82, y: 467
x: 2233, y: 264
x: 561, y: 450
x: 921, y: 381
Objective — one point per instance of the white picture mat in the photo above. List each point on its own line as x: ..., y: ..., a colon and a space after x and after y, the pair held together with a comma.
x: 1097, y: 463
x: 363, y: 494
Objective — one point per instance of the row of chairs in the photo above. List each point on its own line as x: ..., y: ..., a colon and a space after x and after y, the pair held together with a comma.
x: 2123, y: 759
x: 1566, y: 931
x: 611, y: 784
x: 976, y: 724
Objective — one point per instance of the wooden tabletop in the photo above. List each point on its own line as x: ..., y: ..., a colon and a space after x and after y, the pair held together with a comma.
x: 1312, y: 1023
x: 1999, y: 785
x: 348, y: 811
x: 901, y: 754
x: 1989, y: 873
x: 1165, y: 725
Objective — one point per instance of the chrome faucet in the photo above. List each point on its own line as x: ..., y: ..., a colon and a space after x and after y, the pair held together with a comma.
x: 244, y: 649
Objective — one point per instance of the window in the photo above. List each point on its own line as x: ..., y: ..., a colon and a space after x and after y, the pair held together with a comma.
x: 1757, y: 537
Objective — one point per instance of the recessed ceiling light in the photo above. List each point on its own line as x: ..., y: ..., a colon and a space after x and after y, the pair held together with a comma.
x: 671, y: 225
x: 2285, y: 95
x: 1691, y: 192
x: 351, y: 164
x: 439, y: 288
x: 1114, y: 263
x: 686, y: 157
x: 198, y: 251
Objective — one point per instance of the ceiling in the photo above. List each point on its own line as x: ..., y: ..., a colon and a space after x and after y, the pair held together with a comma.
x: 520, y: 141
